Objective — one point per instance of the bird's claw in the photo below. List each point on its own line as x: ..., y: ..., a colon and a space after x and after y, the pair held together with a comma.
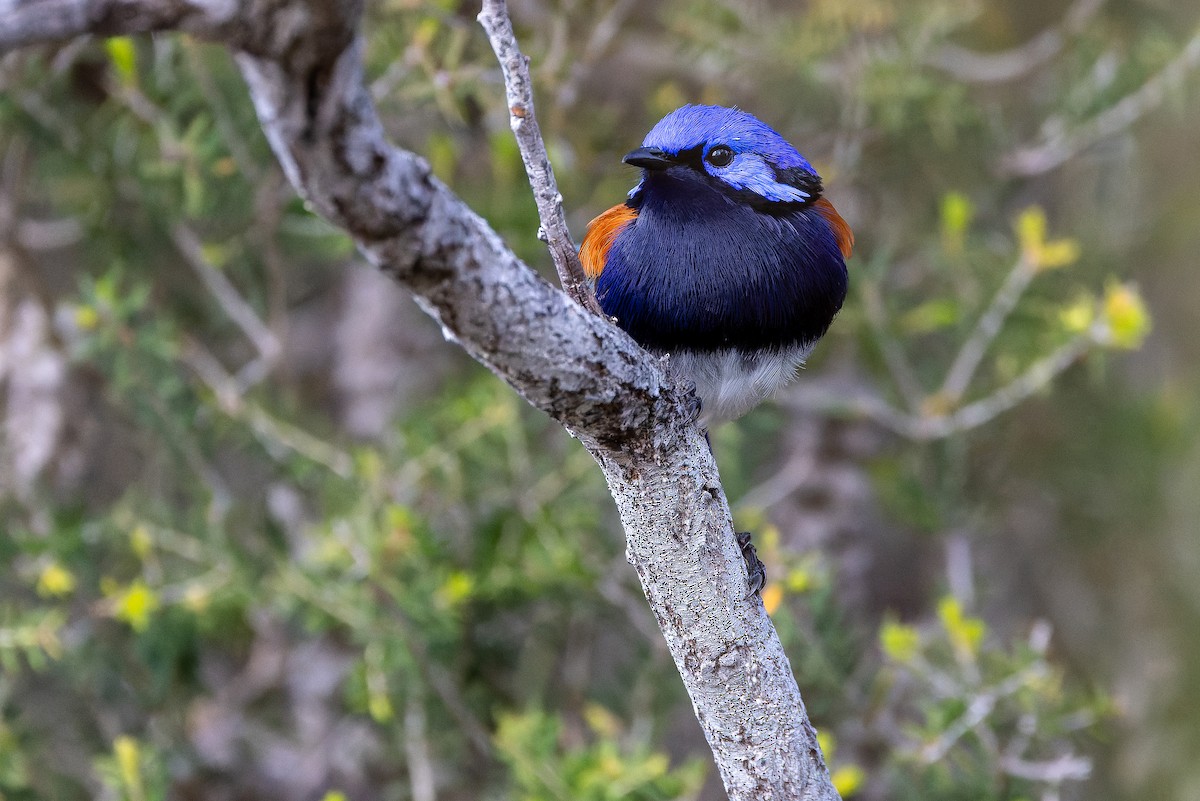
x: 756, y: 571
x: 691, y: 401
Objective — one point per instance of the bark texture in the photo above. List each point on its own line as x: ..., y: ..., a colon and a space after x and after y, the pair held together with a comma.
x: 302, y: 62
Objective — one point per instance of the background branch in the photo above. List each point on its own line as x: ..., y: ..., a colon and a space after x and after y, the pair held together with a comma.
x: 1059, y: 146
x: 969, y: 65
x: 924, y: 426
x: 966, y: 362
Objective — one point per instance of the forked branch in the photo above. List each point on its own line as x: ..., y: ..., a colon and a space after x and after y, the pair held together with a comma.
x: 302, y: 61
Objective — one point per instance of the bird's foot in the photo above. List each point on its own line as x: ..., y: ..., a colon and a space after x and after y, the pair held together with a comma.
x: 690, y: 400
x: 756, y: 571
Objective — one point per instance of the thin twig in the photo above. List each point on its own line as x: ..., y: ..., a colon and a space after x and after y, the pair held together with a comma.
x: 51, y: 119
x: 602, y: 35
x: 188, y: 242
x: 962, y: 370
x: 518, y: 89
x: 421, y: 775
x: 222, y: 114
x: 897, y: 363
x: 974, y: 67
x: 928, y: 427
x: 42, y: 235
x: 271, y: 432
x: 859, y: 405
x: 443, y: 685
x: 613, y: 588
x: 795, y: 472
x: 232, y: 303
x: 1029, y: 383
x: 1057, y: 148
x: 976, y: 712
x: 1055, y: 771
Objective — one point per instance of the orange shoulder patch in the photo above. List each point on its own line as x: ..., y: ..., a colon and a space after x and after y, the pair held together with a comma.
x: 601, y: 232
x: 841, y: 229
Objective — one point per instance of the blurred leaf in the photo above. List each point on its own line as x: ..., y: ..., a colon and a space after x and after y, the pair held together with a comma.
x: 931, y: 316
x: 442, y: 155
x: 601, y: 721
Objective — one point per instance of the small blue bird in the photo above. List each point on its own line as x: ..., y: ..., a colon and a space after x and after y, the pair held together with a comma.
x: 724, y: 256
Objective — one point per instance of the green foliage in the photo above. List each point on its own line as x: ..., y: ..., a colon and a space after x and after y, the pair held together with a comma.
x: 615, y: 766
x: 463, y: 570
x: 131, y: 773
x: 981, y: 720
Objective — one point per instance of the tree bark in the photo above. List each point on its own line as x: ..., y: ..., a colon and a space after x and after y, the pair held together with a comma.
x: 302, y: 62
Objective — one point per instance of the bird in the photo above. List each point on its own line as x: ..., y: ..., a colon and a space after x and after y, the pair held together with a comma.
x: 726, y: 258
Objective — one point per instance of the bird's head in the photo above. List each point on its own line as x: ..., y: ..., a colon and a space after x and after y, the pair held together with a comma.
x: 730, y: 150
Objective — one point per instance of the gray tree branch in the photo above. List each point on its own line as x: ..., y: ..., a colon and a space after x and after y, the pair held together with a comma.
x: 302, y: 61
x: 518, y: 89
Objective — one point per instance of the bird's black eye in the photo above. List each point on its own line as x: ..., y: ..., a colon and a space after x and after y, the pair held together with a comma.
x: 719, y: 156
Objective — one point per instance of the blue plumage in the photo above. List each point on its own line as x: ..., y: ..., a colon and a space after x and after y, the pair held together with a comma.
x: 725, y: 255
x: 759, y: 152
x: 699, y: 269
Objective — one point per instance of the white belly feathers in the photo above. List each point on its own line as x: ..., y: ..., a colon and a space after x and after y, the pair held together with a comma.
x: 731, y: 382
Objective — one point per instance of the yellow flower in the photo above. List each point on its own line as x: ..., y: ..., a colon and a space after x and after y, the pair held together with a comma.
x: 196, y: 597
x: 457, y: 588
x: 1079, y: 316
x: 602, y: 721
x: 772, y: 596
x: 1031, y: 232
x: 224, y: 167
x: 965, y: 632
x: 124, y: 57
x: 55, y: 581
x: 86, y: 318
x: 1059, y: 253
x: 1126, y: 315
x: 135, y: 605
x: 140, y: 541
x: 380, y: 708
x: 899, y: 642
x: 847, y: 779
x: 1036, y: 250
x: 956, y: 213
x: 129, y: 759
x: 827, y: 744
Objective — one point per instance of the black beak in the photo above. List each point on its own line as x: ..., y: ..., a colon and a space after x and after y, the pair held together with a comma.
x: 650, y: 158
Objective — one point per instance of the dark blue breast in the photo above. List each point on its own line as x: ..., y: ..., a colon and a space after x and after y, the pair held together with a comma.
x: 700, y: 270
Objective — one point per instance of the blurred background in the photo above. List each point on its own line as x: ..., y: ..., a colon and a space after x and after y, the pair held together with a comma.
x: 266, y: 535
